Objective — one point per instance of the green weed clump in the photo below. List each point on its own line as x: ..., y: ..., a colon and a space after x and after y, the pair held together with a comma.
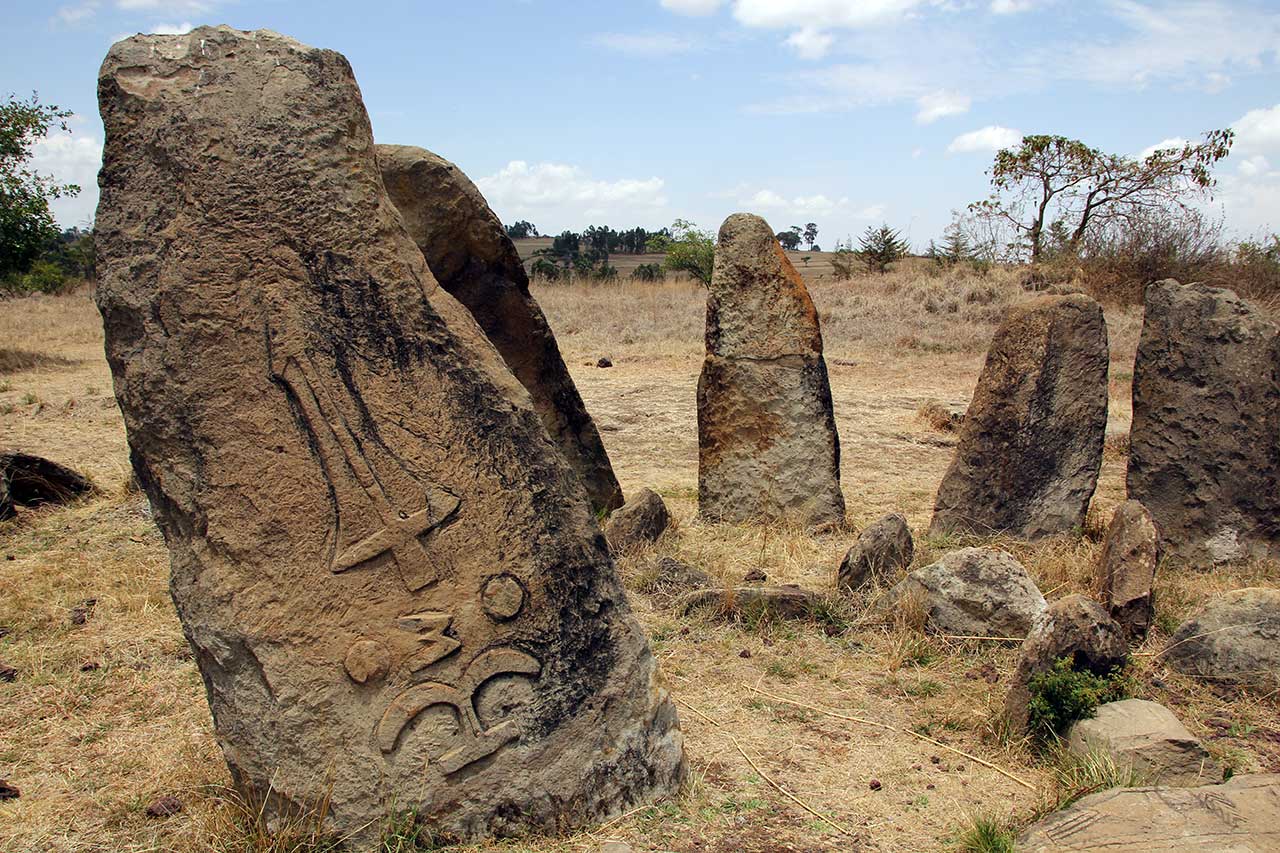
x: 1061, y: 695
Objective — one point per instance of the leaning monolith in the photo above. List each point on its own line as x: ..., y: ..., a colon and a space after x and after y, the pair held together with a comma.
x: 392, y: 581
x: 1204, y: 449
x: 767, y: 443
x: 469, y: 253
x: 1031, y: 446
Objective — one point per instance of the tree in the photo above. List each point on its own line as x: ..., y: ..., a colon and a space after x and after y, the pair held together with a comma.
x: 880, y: 247
x: 789, y: 239
x: 688, y: 249
x: 811, y: 235
x: 522, y: 230
x: 26, y: 223
x: 1052, y: 179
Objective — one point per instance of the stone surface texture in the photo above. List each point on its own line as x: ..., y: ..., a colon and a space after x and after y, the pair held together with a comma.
x: 390, y: 576
x: 1234, y: 639
x: 781, y: 602
x: 1147, y: 737
x: 974, y: 592
x: 1074, y: 627
x: 881, y: 550
x: 1127, y: 568
x: 1030, y: 449
x: 767, y: 443
x: 1204, y: 448
x: 470, y: 255
x: 1239, y: 816
x: 640, y: 521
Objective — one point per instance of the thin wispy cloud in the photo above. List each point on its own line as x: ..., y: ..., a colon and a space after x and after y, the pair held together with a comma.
x: 938, y: 105
x: 986, y: 140
x: 643, y: 44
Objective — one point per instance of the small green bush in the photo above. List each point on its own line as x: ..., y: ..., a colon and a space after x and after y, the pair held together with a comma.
x: 986, y: 835
x: 1062, y: 694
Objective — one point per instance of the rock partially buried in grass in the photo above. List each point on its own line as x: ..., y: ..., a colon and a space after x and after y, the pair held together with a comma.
x: 9, y: 791
x: 640, y: 521
x: 976, y: 592
x: 1203, y: 448
x: 1127, y: 568
x: 881, y: 550
x: 472, y: 257
x: 670, y: 578
x: 1030, y: 447
x: 391, y: 577
x: 27, y: 480
x: 748, y: 602
x: 1239, y: 816
x: 1149, y: 739
x: 1234, y: 639
x: 767, y: 444
x: 166, y: 806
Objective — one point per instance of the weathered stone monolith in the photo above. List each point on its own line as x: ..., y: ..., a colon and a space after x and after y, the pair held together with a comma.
x: 1127, y: 568
x: 390, y: 576
x: 470, y: 254
x: 1204, y: 448
x: 767, y: 443
x: 1031, y: 446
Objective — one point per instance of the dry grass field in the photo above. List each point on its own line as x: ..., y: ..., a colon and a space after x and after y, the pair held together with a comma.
x: 107, y: 716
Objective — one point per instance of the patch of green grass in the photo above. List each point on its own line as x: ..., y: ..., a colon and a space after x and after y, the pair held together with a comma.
x: 780, y: 669
x: 403, y: 833
x: 1076, y: 776
x: 29, y: 399
x: 986, y: 835
x: 1061, y: 695
x: 923, y: 689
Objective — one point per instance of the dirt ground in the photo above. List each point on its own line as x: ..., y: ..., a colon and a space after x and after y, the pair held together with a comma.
x: 105, y: 717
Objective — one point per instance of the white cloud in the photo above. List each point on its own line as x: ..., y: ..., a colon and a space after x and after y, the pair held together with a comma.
x: 936, y: 105
x: 1254, y: 166
x: 168, y: 7
x: 819, y: 14
x: 798, y: 205
x: 810, y: 43
x: 1215, y: 82
x: 71, y: 158
x: 692, y: 7
x: 1163, y: 145
x: 172, y: 29
x: 77, y: 13
x: 1011, y: 7
x: 990, y: 139
x: 643, y: 44
x: 1258, y: 131
x: 568, y: 196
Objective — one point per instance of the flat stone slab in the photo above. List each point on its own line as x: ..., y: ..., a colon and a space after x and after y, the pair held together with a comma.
x: 782, y: 602
x: 1240, y: 816
x: 1149, y: 738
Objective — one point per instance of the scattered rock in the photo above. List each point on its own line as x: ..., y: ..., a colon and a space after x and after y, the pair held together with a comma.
x: 881, y: 550
x: 1031, y: 445
x: 1206, y: 413
x: 5, y: 631
x: 166, y: 806
x: 875, y: 785
x: 604, y: 362
x: 767, y: 443
x: 90, y: 666
x: 469, y: 253
x: 640, y: 521
x: 1074, y: 627
x: 80, y: 614
x: 8, y: 673
x: 27, y: 480
x: 614, y: 847
x: 779, y: 602
x: 670, y: 578
x: 745, y: 653
x: 1127, y: 568
x: 1149, y: 738
x: 8, y: 791
x: 1234, y: 639
x: 973, y: 592
x: 347, y: 471
x: 1239, y: 816
x: 940, y: 416
x: 755, y: 576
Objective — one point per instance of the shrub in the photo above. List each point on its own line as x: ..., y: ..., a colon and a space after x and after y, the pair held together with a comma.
x: 880, y: 247
x: 1062, y: 694
x: 649, y: 272
x: 986, y: 835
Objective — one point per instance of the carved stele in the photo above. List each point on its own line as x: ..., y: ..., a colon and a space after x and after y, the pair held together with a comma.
x: 471, y: 256
x: 391, y: 579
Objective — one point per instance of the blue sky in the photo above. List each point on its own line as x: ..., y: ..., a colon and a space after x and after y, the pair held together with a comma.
x: 840, y: 112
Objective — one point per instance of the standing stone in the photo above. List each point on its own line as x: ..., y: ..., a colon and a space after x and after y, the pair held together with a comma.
x: 1204, y: 449
x: 391, y: 578
x: 767, y: 443
x: 1031, y: 444
x: 1234, y: 639
x: 471, y: 256
x: 1127, y: 568
x: 881, y: 549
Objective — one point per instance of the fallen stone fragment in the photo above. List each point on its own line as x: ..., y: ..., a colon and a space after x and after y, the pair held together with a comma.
x: 1031, y: 444
x: 79, y: 615
x: 1074, y: 627
x: 640, y: 521
x: 166, y: 806
x: 8, y: 791
x: 1148, y: 738
x: 1204, y: 448
x: 1239, y: 816
x: 671, y: 578
x: 8, y: 673
x: 779, y: 602
x: 977, y: 592
x: 1234, y: 639
x: 756, y: 575
x: 881, y: 550
x: 604, y: 362
x: 27, y: 480
x: 1127, y: 568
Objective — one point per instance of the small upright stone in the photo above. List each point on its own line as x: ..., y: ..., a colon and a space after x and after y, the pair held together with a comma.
x: 1204, y: 448
x: 1030, y: 447
x: 391, y: 578
x: 639, y: 521
x: 1127, y: 568
x: 472, y: 257
x: 767, y: 443
x: 881, y: 549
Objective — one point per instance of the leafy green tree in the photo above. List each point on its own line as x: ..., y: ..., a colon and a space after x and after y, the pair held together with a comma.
x: 648, y: 272
x: 545, y: 268
x: 1049, y: 179
x: 879, y: 247
x: 790, y: 239
x: 811, y: 235
x: 688, y: 249
x: 522, y: 230
x: 26, y: 223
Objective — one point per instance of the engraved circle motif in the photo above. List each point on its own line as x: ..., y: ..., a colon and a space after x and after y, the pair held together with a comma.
x: 367, y: 660
x: 502, y: 597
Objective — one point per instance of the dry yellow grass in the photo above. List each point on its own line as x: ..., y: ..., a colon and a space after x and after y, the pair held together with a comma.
x: 90, y: 747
